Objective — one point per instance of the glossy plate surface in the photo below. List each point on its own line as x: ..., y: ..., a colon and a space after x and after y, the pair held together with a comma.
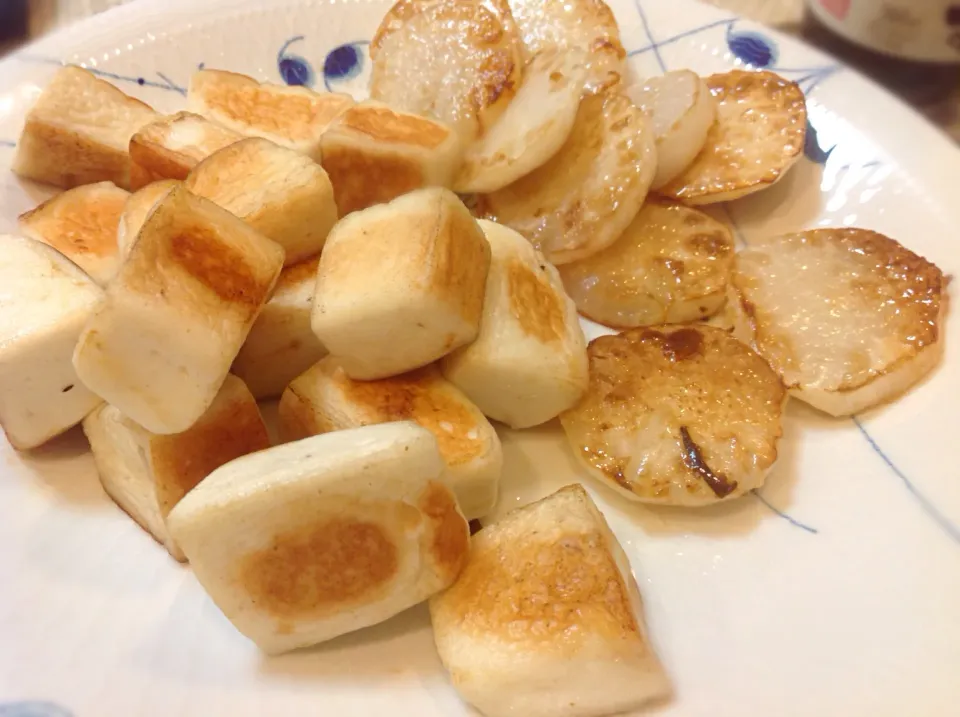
x: 833, y: 592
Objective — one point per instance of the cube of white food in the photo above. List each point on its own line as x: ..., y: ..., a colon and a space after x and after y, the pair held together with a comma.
x: 45, y: 300
x: 529, y: 362
x: 281, y: 345
x: 307, y: 541
x: 546, y: 619
x: 147, y: 475
x: 281, y: 193
x: 82, y: 225
x: 79, y: 131
x: 177, y: 313
x: 325, y: 399
x: 401, y: 284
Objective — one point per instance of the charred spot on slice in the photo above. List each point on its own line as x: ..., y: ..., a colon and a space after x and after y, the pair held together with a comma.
x: 475, y: 526
x: 677, y: 345
x: 693, y: 459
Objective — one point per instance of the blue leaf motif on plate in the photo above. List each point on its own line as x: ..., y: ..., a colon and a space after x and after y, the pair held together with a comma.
x: 32, y: 709
x: 343, y: 62
x: 294, y: 69
x: 811, y: 146
x: 752, y: 48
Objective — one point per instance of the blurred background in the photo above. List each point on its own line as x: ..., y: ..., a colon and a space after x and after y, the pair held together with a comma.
x: 875, y: 36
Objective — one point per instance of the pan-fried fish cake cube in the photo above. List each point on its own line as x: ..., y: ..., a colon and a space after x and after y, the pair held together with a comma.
x: 79, y: 131
x: 849, y: 318
x: 401, y: 285
x: 759, y: 134
x: 310, y: 540
x: 325, y: 399
x: 585, y: 25
x: 170, y: 147
x: 178, y: 311
x: 146, y: 474
x: 529, y: 361
x: 281, y: 345
x: 457, y: 61
x: 677, y: 415
x: 136, y: 210
x: 45, y: 300
x: 670, y: 266
x: 294, y: 117
x: 583, y: 198
x: 283, y: 194
x: 374, y: 154
x: 82, y: 224
x: 546, y: 619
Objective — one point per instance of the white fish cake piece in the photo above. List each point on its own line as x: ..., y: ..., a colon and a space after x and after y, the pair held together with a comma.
x: 681, y: 111
x: 170, y: 147
x: 670, y: 266
x: 45, y: 300
x: 583, y: 198
x: 136, y: 210
x: 529, y: 361
x: 281, y: 345
x: 677, y: 415
x: 456, y: 61
x: 81, y: 224
x: 176, y: 314
x: 849, y: 318
x: 374, y: 154
x: 147, y: 475
x: 546, y: 619
x: 78, y: 132
x: 283, y: 194
x: 310, y: 540
x: 325, y: 399
x: 292, y: 116
x: 401, y: 284
x: 532, y: 128
x: 584, y: 25
x: 759, y: 134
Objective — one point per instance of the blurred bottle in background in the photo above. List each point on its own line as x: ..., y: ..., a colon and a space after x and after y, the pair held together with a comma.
x: 14, y: 18
x: 912, y: 30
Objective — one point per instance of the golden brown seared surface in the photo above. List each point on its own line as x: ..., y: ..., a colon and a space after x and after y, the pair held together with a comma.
x: 461, y: 259
x: 292, y: 113
x: 457, y: 61
x: 424, y: 397
x: 541, y: 577
x: 677, y: 415
x: 534, y: 303
x: 170, y: 147
x: 317, y: 569
x: 834, y: 309
x: 81, y: 221
x: 187, y: 236
x: 386, y: 125
x: 451, y: 533
x: 671, y: 265
x: 231, y: 427
x: 361, y: 179
x: 759, y: 134
x: 586, y: 25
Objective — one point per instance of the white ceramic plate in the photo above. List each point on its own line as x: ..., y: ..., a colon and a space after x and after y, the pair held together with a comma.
x: 836, y: 592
